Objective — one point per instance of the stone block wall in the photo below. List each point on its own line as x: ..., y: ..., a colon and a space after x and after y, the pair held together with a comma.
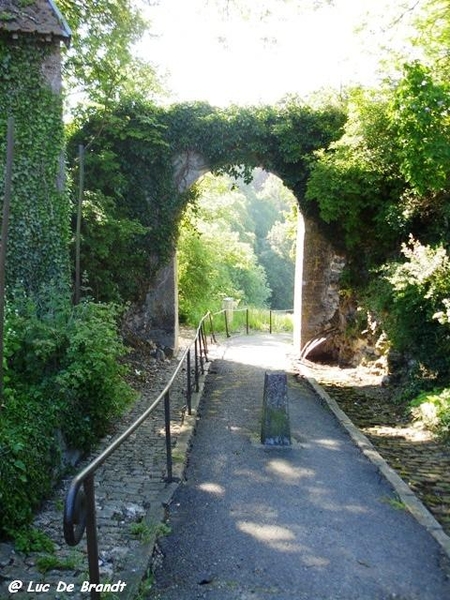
x: 322, y: 268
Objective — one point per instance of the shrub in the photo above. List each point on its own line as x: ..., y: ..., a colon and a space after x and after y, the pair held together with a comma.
x: 411, y: 296
x: 63, y: 386
x: 433, y: 408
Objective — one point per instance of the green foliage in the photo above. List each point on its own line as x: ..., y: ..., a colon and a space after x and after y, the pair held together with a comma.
x: 114, y: 271
x: 31, y: 539
x: 39, y: 222
x: 354, y: 181
x: 214, y: 264
x: 63, y: 387
x: 100, y: 62
x: 433, y: 409
x: 235, y: 242
x: 421, y: 122
x: 130, y: 162
x: 49, y: 562
x: 433, y: 35
x: 410, y: 297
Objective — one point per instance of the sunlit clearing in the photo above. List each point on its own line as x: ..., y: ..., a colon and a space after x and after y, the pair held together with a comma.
x: 284, y: 470
x: 415, y: 433
x: 212, y: 488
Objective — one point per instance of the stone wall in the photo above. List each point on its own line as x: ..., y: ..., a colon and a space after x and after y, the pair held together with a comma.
x: 318, y: 272
x: 322, y: 268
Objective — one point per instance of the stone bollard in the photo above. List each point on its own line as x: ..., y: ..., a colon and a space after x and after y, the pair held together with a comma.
x: 275, y: 428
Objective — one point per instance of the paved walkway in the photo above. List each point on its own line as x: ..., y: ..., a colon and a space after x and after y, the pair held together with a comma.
x: 316, y: 521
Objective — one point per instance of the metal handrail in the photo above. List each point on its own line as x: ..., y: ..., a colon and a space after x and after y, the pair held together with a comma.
x: 225, y: 312
x: 79, y: 507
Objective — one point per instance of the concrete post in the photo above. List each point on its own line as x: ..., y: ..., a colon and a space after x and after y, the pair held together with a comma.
x: 275, y: 428
x: 229, y: 304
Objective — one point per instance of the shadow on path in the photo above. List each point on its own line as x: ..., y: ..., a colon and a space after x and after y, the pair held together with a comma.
x: 314, y: 521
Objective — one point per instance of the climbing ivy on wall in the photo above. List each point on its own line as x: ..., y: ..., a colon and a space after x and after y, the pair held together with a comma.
x: 130, y: 162
x: 39, y: 225
x: 62, y: 380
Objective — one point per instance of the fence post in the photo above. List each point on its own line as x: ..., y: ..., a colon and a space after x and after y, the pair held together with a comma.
x: 91, y: 535
x: 213, y: 337
x: 270, y: 321
x: 246, y: 321
x: 168, y: 439
x: 226, y: 324
x: 196, y: 374
x: 189, y: 388
x: 205, y: 341
x: 200, y: 352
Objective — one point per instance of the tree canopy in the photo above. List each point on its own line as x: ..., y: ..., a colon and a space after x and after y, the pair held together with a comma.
x: 100, y: 68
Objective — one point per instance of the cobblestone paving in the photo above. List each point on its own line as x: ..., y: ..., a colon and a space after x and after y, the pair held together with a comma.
x: 125, y: 486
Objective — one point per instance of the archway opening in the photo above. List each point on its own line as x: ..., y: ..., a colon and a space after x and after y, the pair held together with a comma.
x: 238, y: 240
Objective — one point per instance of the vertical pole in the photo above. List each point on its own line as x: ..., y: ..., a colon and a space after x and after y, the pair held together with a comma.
x: 78, y: 229
x: 200, y: 350
x: 197, y: 387
x: 246, y: 321
x: 168, y: 439
x: 226, y: 324
x: 270, y: 321
x: 91, y: 535
x: 205, y: 342
x: 4, y: 234
x: 189, y: 384
x: 213, y: 337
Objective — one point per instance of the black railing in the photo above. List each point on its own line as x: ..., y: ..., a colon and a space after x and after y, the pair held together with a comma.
x: 79, y: 509
x: 229, y: 312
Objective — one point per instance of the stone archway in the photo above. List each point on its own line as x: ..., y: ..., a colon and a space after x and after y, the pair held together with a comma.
x: 317, y: 274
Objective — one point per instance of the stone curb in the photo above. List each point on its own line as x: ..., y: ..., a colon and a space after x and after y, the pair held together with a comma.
x: 137, y: 566
x: 404, y: 492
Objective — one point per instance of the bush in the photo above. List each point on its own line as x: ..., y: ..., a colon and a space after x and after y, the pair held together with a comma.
x: 63, y: 386
x: 433, y: 408
x: 411, y: 296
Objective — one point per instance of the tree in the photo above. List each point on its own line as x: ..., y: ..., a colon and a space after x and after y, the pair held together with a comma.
x: 214, y: 264
x: 237, y: 240
x: 100, y: 65
x: 355, y: 182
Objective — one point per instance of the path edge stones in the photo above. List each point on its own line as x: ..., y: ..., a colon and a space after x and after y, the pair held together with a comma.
x: 403, y: 491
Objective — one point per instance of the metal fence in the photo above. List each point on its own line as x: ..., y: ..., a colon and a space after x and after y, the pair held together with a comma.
x: 79, y: 508
x: 267, y: 319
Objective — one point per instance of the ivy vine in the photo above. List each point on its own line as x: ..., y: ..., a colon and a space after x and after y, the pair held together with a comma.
x: 40, y: 211
x: 131, y: 156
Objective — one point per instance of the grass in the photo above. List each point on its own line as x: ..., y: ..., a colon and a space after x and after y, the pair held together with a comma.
x: 259, y: 319
x: 395, y: 502
x: 145, y: 531
x: 50, y: 562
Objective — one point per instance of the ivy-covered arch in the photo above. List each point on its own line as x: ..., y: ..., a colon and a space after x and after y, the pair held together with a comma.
x: 145, y: 158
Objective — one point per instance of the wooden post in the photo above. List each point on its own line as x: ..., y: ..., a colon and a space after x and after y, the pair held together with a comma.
x: 4, y: 240
x: 77, y: 295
